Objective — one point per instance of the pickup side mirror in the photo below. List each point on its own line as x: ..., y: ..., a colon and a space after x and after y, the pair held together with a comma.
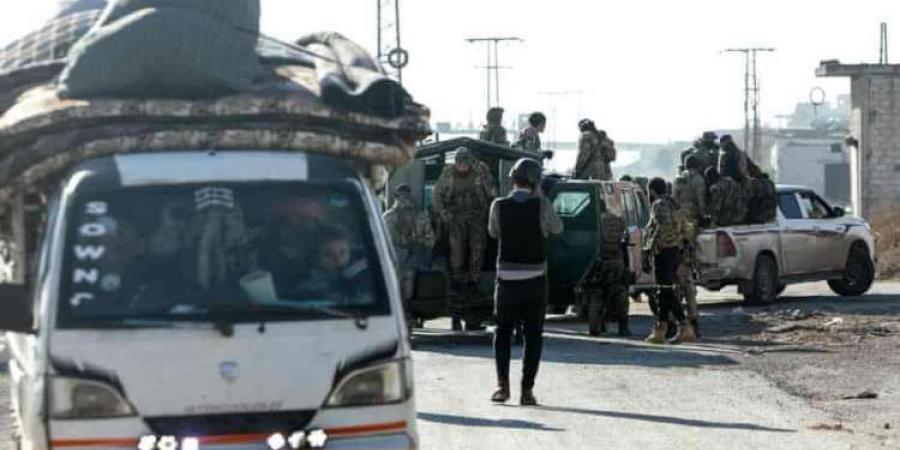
x: 16, y: 313
x: 839, y: 212
x: 547, y: 154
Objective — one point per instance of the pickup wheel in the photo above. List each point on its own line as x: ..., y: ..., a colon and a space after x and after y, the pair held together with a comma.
x: 859, y: 273
x: 763, y: 288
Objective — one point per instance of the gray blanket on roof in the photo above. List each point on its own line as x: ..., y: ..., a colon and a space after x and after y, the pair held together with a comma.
x: 349, y: 77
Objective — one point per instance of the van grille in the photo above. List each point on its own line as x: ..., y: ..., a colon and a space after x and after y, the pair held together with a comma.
x: 219, y: 424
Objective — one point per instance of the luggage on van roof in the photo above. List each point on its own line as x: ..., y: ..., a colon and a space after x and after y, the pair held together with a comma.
x: 324, y: 95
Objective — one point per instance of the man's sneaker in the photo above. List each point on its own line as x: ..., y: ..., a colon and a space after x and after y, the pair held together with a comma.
x: 501, y: 395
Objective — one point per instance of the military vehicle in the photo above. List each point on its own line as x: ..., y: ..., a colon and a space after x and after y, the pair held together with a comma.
x: 574, y: 254
x: 432, y: 297
x: 571, y: 255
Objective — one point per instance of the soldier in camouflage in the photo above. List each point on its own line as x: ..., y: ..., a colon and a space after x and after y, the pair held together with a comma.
x: 665, y: 236
x: 612, y: 300
x: 412, y: 235
x: 595, y: 153
x: 690, y: 194
x: 493, y: 131
x: 705, y: 149
x: 727, y: 203
x: 462, y: 196
x: 530, y: 138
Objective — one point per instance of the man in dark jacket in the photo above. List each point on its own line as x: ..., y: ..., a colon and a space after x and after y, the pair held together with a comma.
x: 521, y: 222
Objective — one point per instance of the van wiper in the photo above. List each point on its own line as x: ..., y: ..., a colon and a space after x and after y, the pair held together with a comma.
x: 360, y: 320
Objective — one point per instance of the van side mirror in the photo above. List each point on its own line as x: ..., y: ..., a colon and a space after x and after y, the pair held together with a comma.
x: 16, y: 313
x: 839, y: 212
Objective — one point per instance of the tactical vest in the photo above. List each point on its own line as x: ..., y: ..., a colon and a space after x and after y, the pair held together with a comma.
x: 669, y: 233
x: 522, y: 242
x: 466, y: 195
x: 612, y: 229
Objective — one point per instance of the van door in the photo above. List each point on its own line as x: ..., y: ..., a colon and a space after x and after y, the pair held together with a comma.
x: 796, y: 237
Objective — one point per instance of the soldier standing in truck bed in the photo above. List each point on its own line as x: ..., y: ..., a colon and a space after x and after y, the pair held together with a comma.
x: 596, y: 151
x: 493, y: 131
x: 530, y: 138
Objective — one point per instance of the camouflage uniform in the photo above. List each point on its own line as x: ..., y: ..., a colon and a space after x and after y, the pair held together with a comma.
x: 413, y: 238
x: 727, y: 203
x: 529, y: 140
x: 612, y: 301
x: 494, y: 131
x: 462, y: 204
x: 595, y: 153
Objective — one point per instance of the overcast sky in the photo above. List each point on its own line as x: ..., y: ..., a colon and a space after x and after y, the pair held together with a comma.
x: 650, y: 70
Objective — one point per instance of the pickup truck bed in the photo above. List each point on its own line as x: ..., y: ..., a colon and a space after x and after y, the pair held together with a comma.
x: 808, y: 241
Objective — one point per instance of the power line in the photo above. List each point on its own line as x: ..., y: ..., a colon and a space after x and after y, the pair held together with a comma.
x: 492, y: 66
x: 751, y: 98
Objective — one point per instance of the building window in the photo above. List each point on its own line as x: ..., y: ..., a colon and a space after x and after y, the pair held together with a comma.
x: 837, y: 148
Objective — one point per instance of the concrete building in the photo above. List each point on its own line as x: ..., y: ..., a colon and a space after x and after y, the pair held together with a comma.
x: 874, y: 140
x: 813, y: 158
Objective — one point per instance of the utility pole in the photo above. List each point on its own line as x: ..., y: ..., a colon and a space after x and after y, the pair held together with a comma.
x: 390, y: 52
x: 751, y: 99
x: 883, y: 50
x: 492, y: 65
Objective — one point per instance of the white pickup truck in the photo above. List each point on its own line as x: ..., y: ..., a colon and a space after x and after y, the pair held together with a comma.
x: 809, y: 240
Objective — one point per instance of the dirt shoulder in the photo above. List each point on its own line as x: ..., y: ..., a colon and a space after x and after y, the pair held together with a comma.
x: 841, y: 355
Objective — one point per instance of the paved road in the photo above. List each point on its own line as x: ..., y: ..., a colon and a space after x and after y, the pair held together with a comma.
x: 613, y: 393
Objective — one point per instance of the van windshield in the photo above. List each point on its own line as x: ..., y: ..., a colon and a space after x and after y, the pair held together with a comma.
x: 236, y: 252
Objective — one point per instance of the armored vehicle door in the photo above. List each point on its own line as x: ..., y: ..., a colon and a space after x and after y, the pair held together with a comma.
x: 572, y: 253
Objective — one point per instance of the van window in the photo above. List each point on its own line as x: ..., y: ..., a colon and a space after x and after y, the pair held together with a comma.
x: 572, y: 203
x: 789, y: 206
x: 630, y: 209
x: 232, y: 252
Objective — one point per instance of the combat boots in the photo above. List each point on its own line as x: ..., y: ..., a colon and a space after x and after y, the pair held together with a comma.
x: 685, y: 333
x: 696, y: 324
x: 658, y: 335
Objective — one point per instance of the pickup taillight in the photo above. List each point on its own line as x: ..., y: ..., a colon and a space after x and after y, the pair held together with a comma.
x: 725, y: 246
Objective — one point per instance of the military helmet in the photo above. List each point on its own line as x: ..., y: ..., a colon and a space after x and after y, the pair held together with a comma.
x: 692, y: 162
x: 495, y: 115
x: 586, y: 125
x: 658, y: 186
x: 526, y: 171
x: 464, y: 156
x: 709, y: 136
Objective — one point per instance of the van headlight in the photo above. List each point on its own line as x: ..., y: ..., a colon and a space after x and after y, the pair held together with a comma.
x: 72, y: 398
x: 377, y: 385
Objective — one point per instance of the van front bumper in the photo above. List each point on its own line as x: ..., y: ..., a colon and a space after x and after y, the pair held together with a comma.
x: 399, y: 441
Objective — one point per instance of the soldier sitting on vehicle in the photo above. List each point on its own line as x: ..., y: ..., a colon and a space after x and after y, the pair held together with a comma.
x: 611, y: 302
x: 727, y: 205
x: 462, y: 197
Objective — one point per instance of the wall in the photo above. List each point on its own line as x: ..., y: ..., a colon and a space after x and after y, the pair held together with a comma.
x: 875, y: 122
x: 802, y: 161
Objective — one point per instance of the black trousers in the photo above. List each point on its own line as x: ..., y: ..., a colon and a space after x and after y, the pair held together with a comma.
x: 522, y: 301
x: 665, y: 264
